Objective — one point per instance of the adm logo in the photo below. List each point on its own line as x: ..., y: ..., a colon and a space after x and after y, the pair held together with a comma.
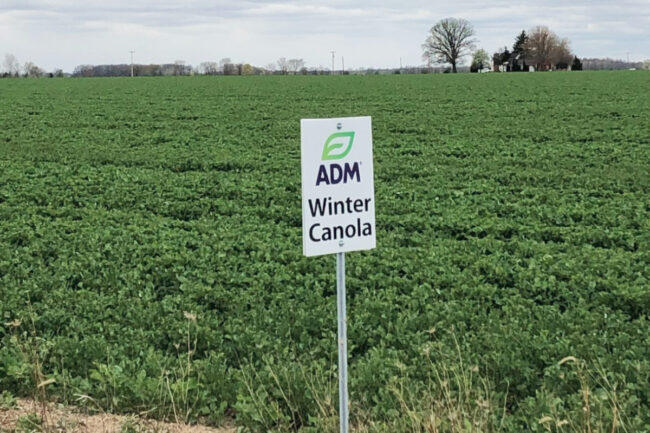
x: 337, y: 146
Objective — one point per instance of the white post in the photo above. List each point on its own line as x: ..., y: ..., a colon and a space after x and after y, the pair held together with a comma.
x: 343, y: 342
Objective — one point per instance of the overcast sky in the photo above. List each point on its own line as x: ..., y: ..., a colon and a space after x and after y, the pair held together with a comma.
x: 66, y: 33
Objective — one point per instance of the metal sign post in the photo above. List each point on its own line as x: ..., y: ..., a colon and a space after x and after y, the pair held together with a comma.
x: 343, y: 342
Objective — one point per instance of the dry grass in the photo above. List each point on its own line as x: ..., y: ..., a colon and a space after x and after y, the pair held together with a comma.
x: 60, y: 419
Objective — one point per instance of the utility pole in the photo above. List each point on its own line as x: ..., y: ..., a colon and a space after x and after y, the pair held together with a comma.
x: 132, y: 62
x: 628, y: 57
x: 342, y: 65
x: 332, y: 61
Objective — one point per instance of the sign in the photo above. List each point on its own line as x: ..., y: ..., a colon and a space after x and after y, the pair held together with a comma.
x: 338, y: 194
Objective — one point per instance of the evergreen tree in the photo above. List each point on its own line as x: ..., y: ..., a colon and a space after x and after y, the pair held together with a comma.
x: 520, y: 43
x: 577, y: 64
x: 519, y: 50
x: 501, y: 57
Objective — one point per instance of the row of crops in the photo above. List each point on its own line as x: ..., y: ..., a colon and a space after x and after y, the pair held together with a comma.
x: 151, y: 253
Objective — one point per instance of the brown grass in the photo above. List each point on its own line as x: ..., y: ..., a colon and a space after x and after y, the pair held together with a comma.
x: 61, y: 419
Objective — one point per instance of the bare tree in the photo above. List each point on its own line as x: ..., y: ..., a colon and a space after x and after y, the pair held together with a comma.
x: 209, y: 68
x: 180, y: 68
x: 11, y: 65
x: 226, y: 66
x: 223, y: 64
x: 83, y: 71
x: 270, y: 68
x: 448, y: 41
x: 545, y: 49
x: 283, y: 65
x: 562, y: 55
x: 294, y: 65
x: 31, y: 70
x: 539, y: 47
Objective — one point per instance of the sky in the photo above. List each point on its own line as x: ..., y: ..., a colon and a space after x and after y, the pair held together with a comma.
x: 378, y: 33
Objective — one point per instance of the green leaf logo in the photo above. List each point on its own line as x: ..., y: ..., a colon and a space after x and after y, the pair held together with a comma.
x: 338, y: 145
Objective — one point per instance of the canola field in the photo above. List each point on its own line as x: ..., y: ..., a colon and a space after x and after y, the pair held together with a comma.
x: 151, y: 252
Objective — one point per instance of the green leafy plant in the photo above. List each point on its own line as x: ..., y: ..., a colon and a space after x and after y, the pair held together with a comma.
x: 512, y: 222
x: 29, y: 423
x: 7, y: 400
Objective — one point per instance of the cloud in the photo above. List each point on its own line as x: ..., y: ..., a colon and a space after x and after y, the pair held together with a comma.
x: 65, y: 33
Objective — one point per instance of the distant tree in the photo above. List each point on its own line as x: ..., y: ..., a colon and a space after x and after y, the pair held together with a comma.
x: 83, y: 71
x: 646, y: 64
x: 212, y: 68
x: 32, y: 71
x: 589, y: 64
x: 247, y: 69
x: 179, y: 67
x: 448, y: 41
x: 227, y: 67
x: 283, y: 65
x: 11, y: 66
x: 561, y: 55
x: 224, y: 64
x: 155, y: 70
x: 294, y: 65
x: 270, y: 68
x: 58, y: 73
x: 545, y: 49
x: 230, y: 69
x: 577, y: 64
x: 539, y: 47
x: 208, y: 68
x: 480, y: 60
x: 520, y: 43
x: 519, y: 51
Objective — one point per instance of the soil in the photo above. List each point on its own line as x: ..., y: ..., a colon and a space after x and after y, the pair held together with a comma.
x: 66, y: 419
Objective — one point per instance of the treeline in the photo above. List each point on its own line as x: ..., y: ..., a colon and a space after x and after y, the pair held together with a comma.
x: 506, y: 60
x: 11, y: 68
x: 179, y: 68
x: 613, y: 64
x: 124, y: 70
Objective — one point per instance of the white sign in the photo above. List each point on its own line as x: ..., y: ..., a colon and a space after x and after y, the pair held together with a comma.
x: 338, y: 193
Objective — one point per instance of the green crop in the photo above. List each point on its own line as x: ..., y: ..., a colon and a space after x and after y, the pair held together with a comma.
x: 151, y: 260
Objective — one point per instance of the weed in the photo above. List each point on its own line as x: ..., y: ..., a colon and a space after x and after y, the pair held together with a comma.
x: 7, y: 400
x: 135, y: 425
x: 597, y: 410
x: 29, y: 423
